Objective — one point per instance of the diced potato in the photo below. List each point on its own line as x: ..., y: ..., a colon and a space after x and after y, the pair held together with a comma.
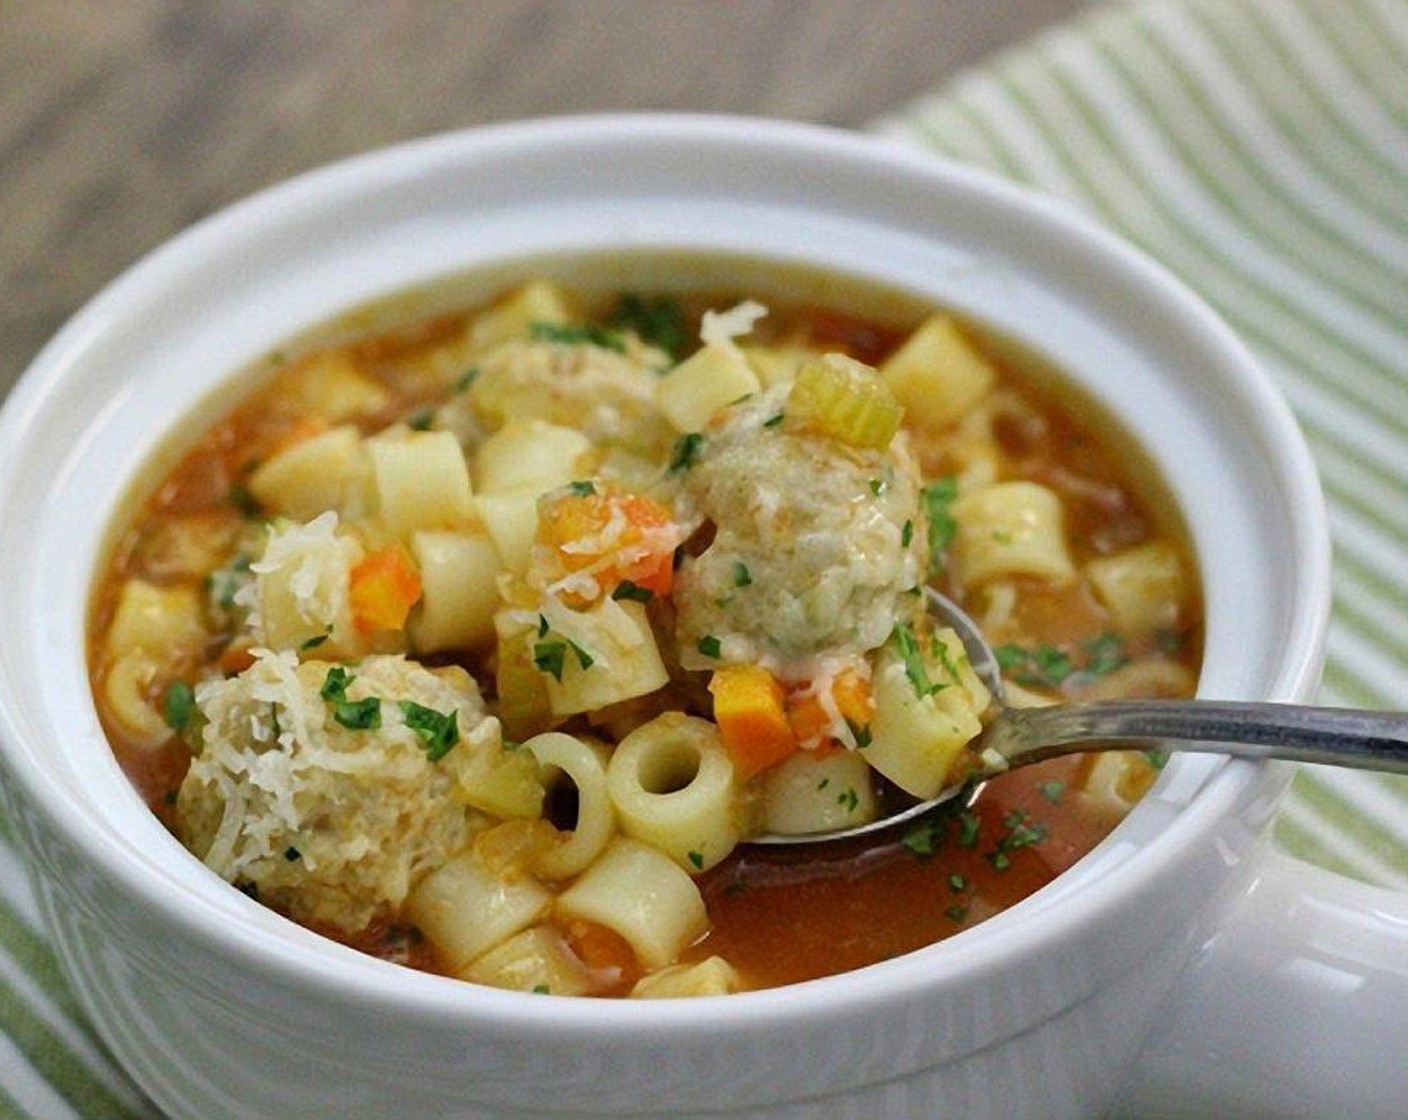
x: 1146, y: 588
x: 165, y: 620
x: 511, y: 519
x: 937, y: 374
x: 326, y: 471
x: 459, y: 590
x: 598, y: 656
x: 537, y: 301
x: 703, y: 383
x: 536, y: 960
x: 327, y: 383
x: 420, y: 481
x: 529, y: 454
x: 1010, y: 529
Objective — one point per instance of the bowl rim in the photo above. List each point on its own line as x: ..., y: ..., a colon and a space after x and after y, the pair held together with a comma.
x: 294, y: 960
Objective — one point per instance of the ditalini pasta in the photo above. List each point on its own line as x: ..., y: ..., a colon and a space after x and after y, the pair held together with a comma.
x: 484, y: 637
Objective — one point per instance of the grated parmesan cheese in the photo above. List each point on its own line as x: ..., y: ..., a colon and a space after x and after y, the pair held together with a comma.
x: 331, y: 825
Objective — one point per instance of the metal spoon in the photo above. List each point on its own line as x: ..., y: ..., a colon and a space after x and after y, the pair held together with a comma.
x: 1012, y: 737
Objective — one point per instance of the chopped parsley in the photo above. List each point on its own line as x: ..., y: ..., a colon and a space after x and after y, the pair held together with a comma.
x: 742, y: 577
x: 240, y: 497
x: 697, y: 859
x: 914, y: 668
x: 222, y: 584
x: 575, y: 335
x: 657, y: 321
x: 355, y: 715
x: 420, y: 421
x: 926, y: 837
x: 292, y: 854
x: 906, y: 534
x: 317, y: 639
x: 1052, y: 791
x: 686, y: 451
x: 1157, y: 759
x: 1049, y: 666
x: 551, y: 656
x: 968, y: 825
x: 957, y: 883
x: 438, y: 731
x: 627, y: 589
x: 956, y: 913
x: 178, y: 705
x: 774, y: 421
x: 467, y: 378
x: 849, y: 799
x: 583, y: 489
x: 878, y: 486
x: 937, y: 500
x: 860, y: 732
x: 710, y: 646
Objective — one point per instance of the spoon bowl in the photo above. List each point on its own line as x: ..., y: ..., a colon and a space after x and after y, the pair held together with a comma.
x: 1013, y: 736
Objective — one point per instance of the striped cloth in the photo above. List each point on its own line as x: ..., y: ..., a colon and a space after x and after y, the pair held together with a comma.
x: 1259, y: 149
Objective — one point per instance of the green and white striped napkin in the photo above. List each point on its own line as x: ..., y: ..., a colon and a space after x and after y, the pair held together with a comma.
x: 1259, y: 149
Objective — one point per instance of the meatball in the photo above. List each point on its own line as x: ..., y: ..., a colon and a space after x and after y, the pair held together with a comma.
x: 315, y: 785
x: 815, y: 547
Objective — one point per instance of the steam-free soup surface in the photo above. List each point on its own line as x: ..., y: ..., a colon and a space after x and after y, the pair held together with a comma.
x: 483, y: 640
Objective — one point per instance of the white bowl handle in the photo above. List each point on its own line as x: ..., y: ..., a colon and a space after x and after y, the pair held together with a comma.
x: 1297, y: 1006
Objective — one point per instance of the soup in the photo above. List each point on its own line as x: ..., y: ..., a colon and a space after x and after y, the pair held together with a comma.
x: 484, y: 637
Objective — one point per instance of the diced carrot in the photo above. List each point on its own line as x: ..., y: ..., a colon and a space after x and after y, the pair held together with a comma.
x: 850, y: 693
x: 634, y: 538
x: 751, y: 717
x: 384, y: 586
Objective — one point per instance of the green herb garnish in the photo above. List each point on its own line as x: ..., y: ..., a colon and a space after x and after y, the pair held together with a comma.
x: 583, y: 489
x: 709, y: 646
x: 697, y: 859
x: 742, y: 577
x: 355, y: 715
x: 178, y: 705
x: 627, y: 589
x: 575, y: 335
x: 658, y: 321
x: 914, y: 668
x: 438, y: 731
x: 936, y: 499
x: 686, y: 451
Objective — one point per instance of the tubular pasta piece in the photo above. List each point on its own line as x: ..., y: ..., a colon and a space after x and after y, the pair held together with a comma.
x: 126, y: 685
x: 527, y: 454
x: 596, y: 819
x: 156, y: 619
x: 644, y: 896
x: 325, y: 471
x: 1011, y: 529
x: 1146, y: 588
x: 536, y: 960
x: 818, y: 792
x: 465, y: 910
x: 672, y: 785
x: 459, y: 590
x: 712, y: 976
x: 420, y: 481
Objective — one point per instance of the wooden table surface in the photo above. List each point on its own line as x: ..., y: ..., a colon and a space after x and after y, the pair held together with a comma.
x: 123, y: 121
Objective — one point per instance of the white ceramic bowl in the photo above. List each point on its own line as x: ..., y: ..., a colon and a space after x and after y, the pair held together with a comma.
x: 220, y: 1008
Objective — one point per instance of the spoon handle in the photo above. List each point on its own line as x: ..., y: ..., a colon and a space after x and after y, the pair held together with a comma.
x: 1298, y: 733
